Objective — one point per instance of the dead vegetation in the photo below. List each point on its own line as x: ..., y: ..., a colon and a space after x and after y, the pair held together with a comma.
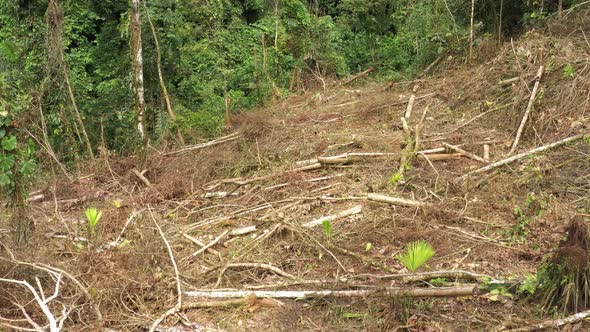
x: 244, y: 214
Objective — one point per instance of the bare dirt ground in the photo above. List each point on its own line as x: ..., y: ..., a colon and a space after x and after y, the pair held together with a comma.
x: 269, y: 176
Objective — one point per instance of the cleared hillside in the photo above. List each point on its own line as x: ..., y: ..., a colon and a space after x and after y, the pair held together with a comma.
x: 335, y: 155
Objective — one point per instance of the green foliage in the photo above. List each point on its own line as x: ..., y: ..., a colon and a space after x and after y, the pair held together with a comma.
x: 534, y: 207
x: 248, y: 51
x: 440, y: 282
x: 529, y: 285
x: 418, y: 253
x: 327, y: 228
x: 569, y: 71
x: 93, y: 216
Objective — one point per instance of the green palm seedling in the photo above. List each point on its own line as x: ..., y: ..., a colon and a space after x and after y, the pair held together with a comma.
x: 418, y: 254
x: 93, y: 216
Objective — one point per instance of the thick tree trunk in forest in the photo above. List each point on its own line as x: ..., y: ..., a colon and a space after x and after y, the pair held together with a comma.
x: 165, y: 94
x: 137, y: 61
x: 55, y: 17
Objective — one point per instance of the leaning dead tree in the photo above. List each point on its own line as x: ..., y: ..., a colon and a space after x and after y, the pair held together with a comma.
x: 58, y: 66
x: 137, y: 62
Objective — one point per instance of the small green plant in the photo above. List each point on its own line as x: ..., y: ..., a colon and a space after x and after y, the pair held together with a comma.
x: 440, y: 282
x: 534, y: 207
x: 327, y: 228
x: 418, y: 254
x: 93, y: 216
x: 368, y: 246
x: 569, y: 71
x: 396, y: 178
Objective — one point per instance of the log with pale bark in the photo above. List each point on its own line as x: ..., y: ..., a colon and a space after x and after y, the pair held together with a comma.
x: 522, y: 155
x: 552, y: 323
x: 340, y: 215
x: 394, y: 200
x: 459, y: 291
x: 465, y: 153
x: 217, y: 141
x: 354, y: 78
x: 528, y: 109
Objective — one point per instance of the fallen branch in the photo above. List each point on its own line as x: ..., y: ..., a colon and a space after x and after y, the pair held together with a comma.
x: 55, y: 324
x: 365, y: 73
x: 178, y: 305
x: 141, y: 176
x: 552, y: 323
x: 250, y: 301
x: 522, y: 155
x: 403, y: 102
x: 242, y: 231
x: 394, y: 200
x: 261, y: 266
x: 432, y: 65
x: 477, y: 117
x: 455, y: 274
x: 365, y: 259
x: 120, y: 238
x: 340, y: 215
x: 352, y: 156
x: 440, y: 156
x: 189, y: 258
x: 465, y: 153
x: 57, y: 271
x: 466, y: 290
x: 220, y: 140
x: 200, y: 244
x: 528, y: 109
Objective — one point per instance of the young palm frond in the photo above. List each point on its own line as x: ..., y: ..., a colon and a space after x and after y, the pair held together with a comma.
x: 418, y: 254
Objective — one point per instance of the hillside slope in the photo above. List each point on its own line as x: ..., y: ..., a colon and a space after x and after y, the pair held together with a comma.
x: 328, y: 155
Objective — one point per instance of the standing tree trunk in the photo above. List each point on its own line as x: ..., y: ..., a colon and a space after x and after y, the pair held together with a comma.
x: 471, y: 31
x: 55, y: 51
x: 138, y: 89
x: 560, y: 4
x: 169, y: 108
x: 277, y: 5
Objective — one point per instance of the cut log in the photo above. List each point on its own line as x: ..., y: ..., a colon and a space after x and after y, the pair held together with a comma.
x: 528, y: 109
x: 394, y: 200
x: 340, y: 215
x: 466, y: 290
